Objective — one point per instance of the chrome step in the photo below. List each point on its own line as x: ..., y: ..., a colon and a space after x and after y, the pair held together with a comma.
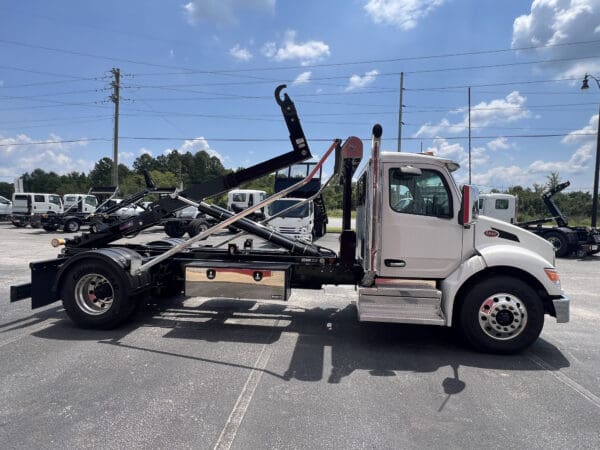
x: 401, y: 302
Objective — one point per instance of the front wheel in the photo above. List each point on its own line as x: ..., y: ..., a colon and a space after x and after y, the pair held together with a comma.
x: 95, y: 296
x: 501, y: 315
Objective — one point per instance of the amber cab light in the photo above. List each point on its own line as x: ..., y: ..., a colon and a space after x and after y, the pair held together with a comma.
x: 552, y: 274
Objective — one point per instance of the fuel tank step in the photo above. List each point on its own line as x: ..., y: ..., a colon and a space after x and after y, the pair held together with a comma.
x: 401, y: 301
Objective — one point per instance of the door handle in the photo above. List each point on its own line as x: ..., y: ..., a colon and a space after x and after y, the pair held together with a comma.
x: 394, y: 263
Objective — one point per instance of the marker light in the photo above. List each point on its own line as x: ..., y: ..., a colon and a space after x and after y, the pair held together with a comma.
x: 552, y: 274
x: 57, y: 242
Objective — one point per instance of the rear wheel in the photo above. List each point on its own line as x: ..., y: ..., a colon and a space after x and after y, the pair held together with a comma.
x: 20, y: 224
x: 559, y: 242
x: 71, y: 226
x: 50, y: 227
x: 36, y: 224
x: 501, y: 315
x: 197, y: 226
x: 95, y: 296
x: 174, y: 229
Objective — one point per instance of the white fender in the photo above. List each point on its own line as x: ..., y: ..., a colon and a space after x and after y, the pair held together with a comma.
x: 494, y: 256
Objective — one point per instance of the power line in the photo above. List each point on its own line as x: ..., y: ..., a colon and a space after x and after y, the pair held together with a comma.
x: 372, y: 61
x: 214, y: 139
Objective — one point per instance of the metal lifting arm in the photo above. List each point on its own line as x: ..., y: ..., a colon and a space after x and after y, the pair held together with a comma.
x: 561, y: 220
x: 306, y: 249
x: 168, y: 205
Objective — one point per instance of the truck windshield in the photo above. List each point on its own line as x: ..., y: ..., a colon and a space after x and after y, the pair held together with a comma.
x: 55, y: 199
x: 280, y: 205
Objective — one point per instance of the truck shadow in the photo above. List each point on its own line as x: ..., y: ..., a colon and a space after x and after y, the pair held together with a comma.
x: 383, y: 350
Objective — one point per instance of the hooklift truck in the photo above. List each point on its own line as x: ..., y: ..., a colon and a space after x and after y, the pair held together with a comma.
x: 420, y: 254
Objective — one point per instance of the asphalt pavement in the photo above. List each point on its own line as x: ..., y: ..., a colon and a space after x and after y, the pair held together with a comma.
x: 208, y: 373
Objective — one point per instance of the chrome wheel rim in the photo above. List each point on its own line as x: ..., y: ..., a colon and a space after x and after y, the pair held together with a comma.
x: 502, y: 316
x: 72, y: 226
x: 556, y: 242
x: 94, y: 294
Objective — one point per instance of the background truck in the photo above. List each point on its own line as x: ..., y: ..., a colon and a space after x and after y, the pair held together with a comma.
x: 427, y: 261
x: 302, y: 214
x: 77, y: 209
x: 5, y: 208
x: 28, y: 207
x: 565, y: 239
x: 187, y: 220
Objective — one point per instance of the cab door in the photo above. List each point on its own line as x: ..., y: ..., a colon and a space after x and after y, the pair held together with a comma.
x: 420, y: 233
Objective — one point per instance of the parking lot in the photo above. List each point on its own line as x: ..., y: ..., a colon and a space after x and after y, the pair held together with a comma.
x: 208, y: 373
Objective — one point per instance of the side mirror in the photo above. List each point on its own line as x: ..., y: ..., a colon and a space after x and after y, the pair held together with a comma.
x: 469, y: 210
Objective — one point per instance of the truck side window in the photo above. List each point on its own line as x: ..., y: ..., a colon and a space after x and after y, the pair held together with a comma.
x: 426, y: 194
x: 502, y: 203
x: 38, y: 198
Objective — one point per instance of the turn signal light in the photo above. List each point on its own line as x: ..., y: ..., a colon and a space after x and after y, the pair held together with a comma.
x: 552, y: 275
x: 57, y: 242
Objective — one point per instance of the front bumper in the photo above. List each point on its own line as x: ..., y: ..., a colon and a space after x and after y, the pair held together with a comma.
x: 561, y: 308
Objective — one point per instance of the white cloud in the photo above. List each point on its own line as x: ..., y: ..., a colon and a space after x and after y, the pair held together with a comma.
x: 357, y: 82
x: 578, y: 163
x: 21, y: 154
x: 305, y: 52
x: 403, y: 14
x: 224, y: 11
x: 145, y: 151
x: 456, y: 152
x: 243, y: 54
x: 303, y: 78
x: 495, y: 112
x: 198, y: 144
x: 500, y: 143
x: 553, y: 22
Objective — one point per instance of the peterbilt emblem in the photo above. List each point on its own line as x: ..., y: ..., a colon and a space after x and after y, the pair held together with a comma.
x: 491, y: 233
x: 211, y: 274
x: 257, y: 276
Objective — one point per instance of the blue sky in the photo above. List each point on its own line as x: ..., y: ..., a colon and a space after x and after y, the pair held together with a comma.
x: 200, y: 74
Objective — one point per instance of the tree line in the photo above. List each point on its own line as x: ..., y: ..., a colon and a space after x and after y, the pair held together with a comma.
x: 180, y: 170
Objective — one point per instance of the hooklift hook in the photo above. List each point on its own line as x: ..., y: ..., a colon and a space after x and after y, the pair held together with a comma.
x: 278, y: 99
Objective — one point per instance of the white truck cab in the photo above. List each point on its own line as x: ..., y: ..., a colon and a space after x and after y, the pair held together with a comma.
x: 240, y: 199
x: 498, y: 205
x: 295, y: 222
x: 27, y: 207
x: 431, y: 259
x: 88, y: 202
x: 5, y: 207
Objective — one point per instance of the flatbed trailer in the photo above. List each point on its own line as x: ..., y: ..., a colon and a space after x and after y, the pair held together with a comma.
x: 427, y: 261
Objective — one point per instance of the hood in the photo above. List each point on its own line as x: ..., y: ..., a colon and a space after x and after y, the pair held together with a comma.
x: 489, y: 231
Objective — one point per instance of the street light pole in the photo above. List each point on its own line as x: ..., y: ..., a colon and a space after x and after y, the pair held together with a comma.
x: 585, y: 85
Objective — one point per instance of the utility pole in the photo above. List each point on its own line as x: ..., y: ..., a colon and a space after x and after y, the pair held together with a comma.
x: 469, y: 134
x: 115, y: 99
x: 584, y: 86
x: 400, y: 112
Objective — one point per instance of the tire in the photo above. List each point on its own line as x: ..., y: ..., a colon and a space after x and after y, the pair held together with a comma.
x: 50, y: 228
x: 559, y: 241
x: 36, y: 224
x: 501, y: 314
x: 174, y: 229
x: 19, y: 224
x: 197, y: 226
x: 111, y: 303
x: 71, y: 226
